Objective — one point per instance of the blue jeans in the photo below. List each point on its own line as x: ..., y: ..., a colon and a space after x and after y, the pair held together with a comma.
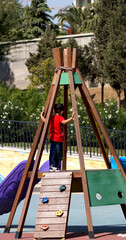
x: 55, y: 154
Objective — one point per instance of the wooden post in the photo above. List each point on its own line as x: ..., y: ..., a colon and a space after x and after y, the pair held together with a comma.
x: 101, y: 125
x: 65, y: 100
x: 81, y: 158
x: 57, y: 55
x: 29, y: 161
x: 66, y: 64
x: 95, y: 128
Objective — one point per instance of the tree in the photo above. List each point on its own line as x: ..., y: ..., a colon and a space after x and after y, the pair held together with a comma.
x: 41, y: 65
x: 36, y: 18
x: 76, y: 19
x: 10, y: 20
x: 10, y: 23
x: 109, y: 41
x: 115, y: 55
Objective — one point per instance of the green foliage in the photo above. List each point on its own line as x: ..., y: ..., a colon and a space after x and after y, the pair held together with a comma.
x: 41, y: 65
x: 112, y: 117
x: 20, y: 105
x: 79, y: 20
x: 43, y: 73
x: 35, y: 19
x: 27, y: 106
x: 85, y: 60
x: 109, y: 43
x: 18, y: 22
x: 10, y: 20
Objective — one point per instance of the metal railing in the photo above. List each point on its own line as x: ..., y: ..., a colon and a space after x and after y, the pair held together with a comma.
x: 19, y: 134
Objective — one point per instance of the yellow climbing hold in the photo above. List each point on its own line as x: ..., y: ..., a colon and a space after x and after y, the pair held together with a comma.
x: 43, y: 174
x: 59, y: 213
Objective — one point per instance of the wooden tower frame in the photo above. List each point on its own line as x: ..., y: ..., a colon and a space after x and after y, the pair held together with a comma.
x: 64, y: 64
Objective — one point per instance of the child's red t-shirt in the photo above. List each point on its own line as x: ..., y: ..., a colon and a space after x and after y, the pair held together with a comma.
x: 55, y: 128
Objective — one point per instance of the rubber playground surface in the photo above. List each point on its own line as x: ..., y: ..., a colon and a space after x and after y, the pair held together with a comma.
x: 108, y: 221
x: 70, y: 236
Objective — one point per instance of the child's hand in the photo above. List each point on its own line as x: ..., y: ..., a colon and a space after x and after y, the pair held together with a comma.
x: 42, y: 117
x: 73, y: 113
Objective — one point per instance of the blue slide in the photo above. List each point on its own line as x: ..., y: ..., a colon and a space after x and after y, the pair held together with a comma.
x: 9, y: 186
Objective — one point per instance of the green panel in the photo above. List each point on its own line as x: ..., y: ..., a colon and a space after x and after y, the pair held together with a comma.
x: 64, y: 80
x: 108, y: 185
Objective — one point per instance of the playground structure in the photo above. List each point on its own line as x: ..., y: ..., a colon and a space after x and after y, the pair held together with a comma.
x: 100, y: 187
x: 9, y: 186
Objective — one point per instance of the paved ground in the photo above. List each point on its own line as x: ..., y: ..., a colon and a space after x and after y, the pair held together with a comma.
x: 108, y: 221
x: 70, y: 236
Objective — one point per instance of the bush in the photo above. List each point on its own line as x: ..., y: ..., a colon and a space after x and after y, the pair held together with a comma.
x: 27, y: 105
x: 20, y: 105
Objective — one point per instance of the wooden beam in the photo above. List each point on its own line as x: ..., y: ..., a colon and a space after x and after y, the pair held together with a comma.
x: 95, y: 128
x: 39, y: 153
x: 101, y: 125
x: 74, y: 58
x: 65, y: 100
x: 81, y: 158
x: 29, y: 161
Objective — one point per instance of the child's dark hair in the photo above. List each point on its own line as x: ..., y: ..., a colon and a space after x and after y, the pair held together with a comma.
x: 58, y: 107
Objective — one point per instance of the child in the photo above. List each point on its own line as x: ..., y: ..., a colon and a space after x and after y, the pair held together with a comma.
x: 56, y: 136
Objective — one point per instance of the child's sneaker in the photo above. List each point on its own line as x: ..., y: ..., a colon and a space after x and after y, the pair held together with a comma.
x: 52, y: 169
x: 57, y: 169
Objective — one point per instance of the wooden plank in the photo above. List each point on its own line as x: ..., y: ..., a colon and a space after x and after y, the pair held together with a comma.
x: 47, y: 234
x: 65, y: 101
x: 55, y: 194
x: 51, y: 207
x: 76, y: 174
x: 50, y: 214
x: 54, y: 181
x: 69, y: 57
x: 55, y: 220
x: 74, y: 58
x: 57, y: 201
x: 81, y: 158
x: 59, y: 175
x: 39, y: 153
x: 58, y: 56
x: 52, y: 227
x: 54, y: 188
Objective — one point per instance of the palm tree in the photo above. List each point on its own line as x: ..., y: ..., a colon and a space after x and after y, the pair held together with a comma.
x: 77, y: 19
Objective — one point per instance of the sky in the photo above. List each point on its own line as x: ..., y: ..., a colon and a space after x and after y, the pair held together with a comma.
x: 56, y: 4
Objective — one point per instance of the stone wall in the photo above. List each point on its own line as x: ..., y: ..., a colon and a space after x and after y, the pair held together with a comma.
x: 13, y: 70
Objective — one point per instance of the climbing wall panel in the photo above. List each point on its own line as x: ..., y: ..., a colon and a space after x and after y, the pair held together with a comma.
x: 53, y: 206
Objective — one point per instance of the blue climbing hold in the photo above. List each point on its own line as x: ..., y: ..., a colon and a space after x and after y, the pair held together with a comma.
x: 45, y: 200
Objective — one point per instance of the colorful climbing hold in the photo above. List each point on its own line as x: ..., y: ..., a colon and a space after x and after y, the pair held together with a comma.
x: 44, y: 200
x: 59, y: 213
x: 43, y: 174
x: 44, y: 227
x: 62, y: 188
